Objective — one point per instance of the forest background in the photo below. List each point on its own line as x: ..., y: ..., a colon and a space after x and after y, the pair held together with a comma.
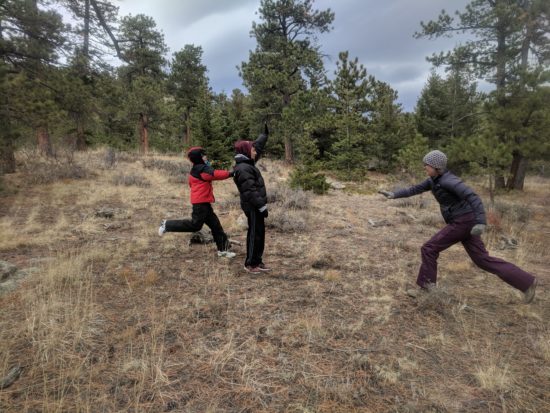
x: 58, y: 92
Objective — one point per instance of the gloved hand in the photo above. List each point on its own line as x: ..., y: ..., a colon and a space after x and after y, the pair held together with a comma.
x: 387, y: 194
x: 478, y: 229
x: 263, y: 211
x: 231, y: 173
x: 266, y: 129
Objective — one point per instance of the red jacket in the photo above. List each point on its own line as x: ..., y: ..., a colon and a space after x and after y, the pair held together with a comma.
x: 200, y: 182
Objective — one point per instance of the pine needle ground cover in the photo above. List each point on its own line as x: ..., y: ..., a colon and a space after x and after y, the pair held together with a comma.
x: 110, y: 317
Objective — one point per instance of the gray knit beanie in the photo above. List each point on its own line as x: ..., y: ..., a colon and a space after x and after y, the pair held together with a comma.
x: 436, y: 159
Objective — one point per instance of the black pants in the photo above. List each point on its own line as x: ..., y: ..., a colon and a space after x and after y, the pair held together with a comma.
x: 255, y: 238
x: 202, y: 214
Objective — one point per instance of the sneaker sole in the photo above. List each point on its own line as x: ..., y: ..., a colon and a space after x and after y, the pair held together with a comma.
x: 252, y: 272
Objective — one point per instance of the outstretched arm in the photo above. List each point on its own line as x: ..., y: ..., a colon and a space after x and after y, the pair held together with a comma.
x: 216, y: 175
x: 406, y: 192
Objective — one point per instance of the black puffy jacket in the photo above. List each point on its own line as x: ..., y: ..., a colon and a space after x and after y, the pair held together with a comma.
x: 248, y: 177
x: 250, y: 183
x: 454, y: 197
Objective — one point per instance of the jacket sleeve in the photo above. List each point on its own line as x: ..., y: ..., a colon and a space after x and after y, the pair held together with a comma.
x: 465, y: 193
x: 260, y: 143
x: 216, y: 175
x: 414, y: 190
x: 248, y: 187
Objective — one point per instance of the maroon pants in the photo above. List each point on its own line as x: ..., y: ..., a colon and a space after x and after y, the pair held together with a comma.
x: 459, y: 231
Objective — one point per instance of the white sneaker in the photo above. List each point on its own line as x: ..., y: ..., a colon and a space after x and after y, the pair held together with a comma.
x: 162, y: 228
x: 226, y: 254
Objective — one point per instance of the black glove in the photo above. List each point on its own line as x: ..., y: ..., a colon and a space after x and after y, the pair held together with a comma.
x: 264, y: 213
x: 266, y: 129
x: 231, y: 173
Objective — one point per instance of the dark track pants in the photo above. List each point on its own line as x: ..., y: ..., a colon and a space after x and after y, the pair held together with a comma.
x: 459, y: 231
x: 202, y: 214
x: 255, y: 238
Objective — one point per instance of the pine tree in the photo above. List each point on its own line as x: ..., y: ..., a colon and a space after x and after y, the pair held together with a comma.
x: 286, y: 58
x: 30, y: 37
x: 509, y: 46
x: 187, y: 76
x: 143, y: 50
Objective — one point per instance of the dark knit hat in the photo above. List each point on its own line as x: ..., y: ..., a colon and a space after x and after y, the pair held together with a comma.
x: 244, y: 148
x: 195, y: 154
x: 436, y: 159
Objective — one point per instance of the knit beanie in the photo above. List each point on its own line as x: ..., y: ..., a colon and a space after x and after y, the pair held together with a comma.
x: 244, y: 148
x: 436, y: 159
x: 195, y: 154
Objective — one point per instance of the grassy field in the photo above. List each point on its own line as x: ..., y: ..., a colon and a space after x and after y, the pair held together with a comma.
x: 112, y: 318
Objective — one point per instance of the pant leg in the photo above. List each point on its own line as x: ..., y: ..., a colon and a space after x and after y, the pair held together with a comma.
x: 198, y: 218
x: 448, y: 236
x: 218, y: 233
x: 506, y: 271
x: 255, y: 238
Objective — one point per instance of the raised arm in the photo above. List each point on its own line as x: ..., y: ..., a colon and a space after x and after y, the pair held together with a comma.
x: 261, y: 142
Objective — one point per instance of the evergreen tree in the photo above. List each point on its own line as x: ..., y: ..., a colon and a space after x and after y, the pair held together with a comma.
x: 187, y: 76
x: 143, y: 50
x: 93, y: 37
x: 388, y: 128
x: 350, y: 89
x: 447, y: 108
x: 30, y: 38
x: 510, y: 45
x: 286, y: 57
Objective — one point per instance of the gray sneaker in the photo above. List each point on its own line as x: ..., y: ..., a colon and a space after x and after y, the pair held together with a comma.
x: 226, y: 254
x: 529, y: 294
x: 162, y: 228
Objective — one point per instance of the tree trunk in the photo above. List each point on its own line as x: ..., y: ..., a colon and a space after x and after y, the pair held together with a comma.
x: 500, y: 182
x: 80, y: 141
x: 44, y: 142
x: 517, y: 172
x: 143, y: 133
x: 86, y: 46
x: 7, y: 156
x: 289, y: 150
x: 187, y: 133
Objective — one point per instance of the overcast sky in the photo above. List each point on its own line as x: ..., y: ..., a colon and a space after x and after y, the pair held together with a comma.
x: 378, y: 32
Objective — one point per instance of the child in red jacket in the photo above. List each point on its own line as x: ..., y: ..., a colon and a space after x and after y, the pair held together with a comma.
x: 202, y: 197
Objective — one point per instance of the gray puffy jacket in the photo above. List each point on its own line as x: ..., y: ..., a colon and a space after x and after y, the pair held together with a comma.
x: 454, y: 197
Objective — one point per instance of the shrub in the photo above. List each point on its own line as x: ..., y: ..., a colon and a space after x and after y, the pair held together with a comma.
x: 110, y: 158
x: 131, y: 180
x: 43, y: 170
x: 289, y: 198
x: 513, y: 212
x: 170, y: 167
x: 286, y: 221
x: 301, y: 177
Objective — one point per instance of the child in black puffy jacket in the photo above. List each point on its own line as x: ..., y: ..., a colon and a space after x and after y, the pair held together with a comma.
x: 250, y: 183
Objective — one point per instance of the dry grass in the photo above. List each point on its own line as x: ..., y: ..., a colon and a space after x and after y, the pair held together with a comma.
x: 114, y: 318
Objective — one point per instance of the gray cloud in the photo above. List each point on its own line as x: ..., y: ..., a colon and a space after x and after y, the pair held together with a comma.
x: 378, y: 33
